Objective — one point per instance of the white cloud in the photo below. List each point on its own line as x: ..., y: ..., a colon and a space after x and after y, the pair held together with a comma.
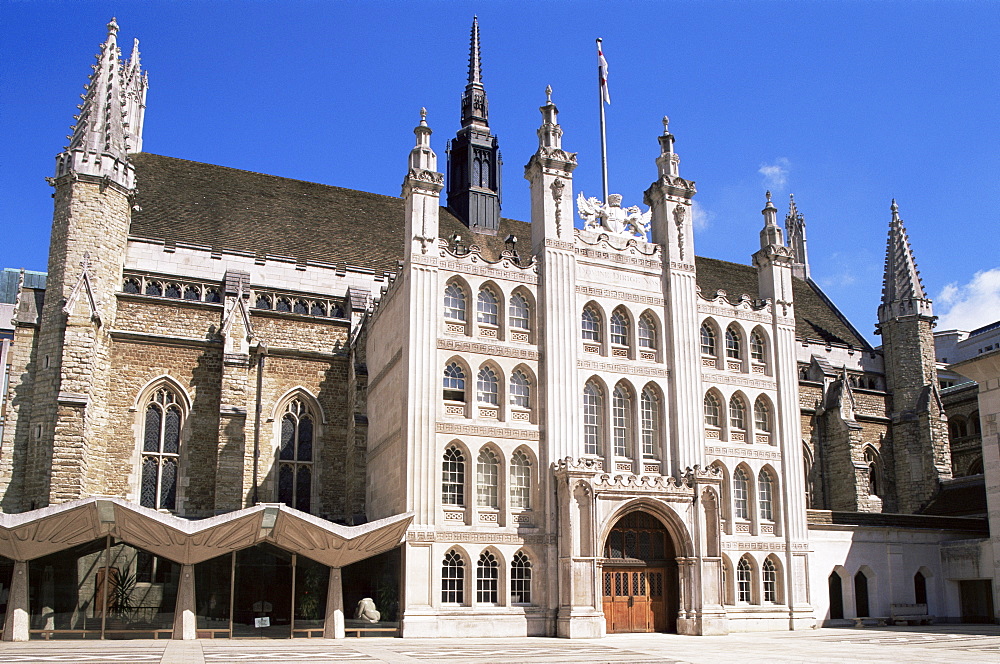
x: 971, y: 305
x: 701, y: 217
x: 776, y: 174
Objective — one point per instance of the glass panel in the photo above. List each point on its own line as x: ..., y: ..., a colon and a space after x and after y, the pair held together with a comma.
x: 287, y: 452
x: 376, y: 579
x: 192, y: 293
x: 212, y: 295
x: 311, y: 582
x: 262, y: 602
x: 212, y: 581
x: 172, y: 431
x: 173, y: 290
x: 6, y: 574
x: 168, y: 483
x: 147, y: 492
x: 134, y: 607
x: 285, y: 480
x: 317, y: 309
x: 303, y: 487
x: 305, y: 439
x: 151, y: 437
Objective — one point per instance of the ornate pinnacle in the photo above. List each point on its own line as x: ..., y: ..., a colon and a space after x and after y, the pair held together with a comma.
x: 423, y: 116
x: 548, y: 95
x: 113, y: 27
x: 475, y: 66
x: 666, y: 125
x: 767, y: 194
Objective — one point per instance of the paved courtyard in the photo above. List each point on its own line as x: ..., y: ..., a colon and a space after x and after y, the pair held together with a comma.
x: 938, y: 644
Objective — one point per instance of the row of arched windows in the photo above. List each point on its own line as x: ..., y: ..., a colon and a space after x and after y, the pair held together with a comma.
x: 489, y: 311
x: 489, y: 589
x: 627, y: 339
x: 960, y: 427
x: 750, y: 500
x: 735, y: 424
x: 457, y: 484
x: 735, y: 349
x: 163, y: 421
x: 635, y: 424
x: 489, y: 386
x: 750, y: 584
x: 862, y: 585
x: 139, y: 285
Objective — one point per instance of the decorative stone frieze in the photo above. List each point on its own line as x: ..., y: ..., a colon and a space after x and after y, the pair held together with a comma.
x: 631, y: 369
x: 488, y: 349
x: 486, y: 432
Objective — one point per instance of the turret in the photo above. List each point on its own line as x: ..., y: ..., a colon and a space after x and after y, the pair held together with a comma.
x: 550, y: 171
x: 795, y: 227
x: 421, y: 192
x: 474, y: 155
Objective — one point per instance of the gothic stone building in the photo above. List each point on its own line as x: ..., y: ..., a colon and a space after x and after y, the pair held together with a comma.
x: 243, y: 404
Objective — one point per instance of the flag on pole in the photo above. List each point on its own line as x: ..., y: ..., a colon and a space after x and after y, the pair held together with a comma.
x: 602, y: 68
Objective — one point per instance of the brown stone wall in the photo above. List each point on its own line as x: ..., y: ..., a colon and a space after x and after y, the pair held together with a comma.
x: 159, y: 315
x: 963, y: 404
x: 17, y: 426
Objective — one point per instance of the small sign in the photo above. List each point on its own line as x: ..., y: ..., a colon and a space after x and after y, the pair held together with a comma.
x: 262, y: 622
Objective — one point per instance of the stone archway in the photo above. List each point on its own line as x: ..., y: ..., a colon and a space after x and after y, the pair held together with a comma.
x: 639, y: 580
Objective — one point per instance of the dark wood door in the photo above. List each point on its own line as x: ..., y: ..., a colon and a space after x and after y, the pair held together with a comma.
x: 634, y: 599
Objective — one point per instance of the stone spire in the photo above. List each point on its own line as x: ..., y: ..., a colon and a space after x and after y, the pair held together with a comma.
x: 474, y: 155
x: 902, y: 291
x: 668, y: 162
x: 135, y: 83
x: 99, y: 145
x: 795, y: 227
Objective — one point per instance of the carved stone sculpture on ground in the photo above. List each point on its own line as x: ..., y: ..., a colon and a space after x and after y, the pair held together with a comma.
x: 366, y: 611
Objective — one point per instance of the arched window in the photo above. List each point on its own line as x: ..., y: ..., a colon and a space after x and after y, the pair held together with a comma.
x: 744, y: 581
x: 650, y: 422
x: 453, y: 477
x: 487, y: 479
x: 919, y: 588
x: 734, y: 342
x: 172, y: 290
x: 770, y: 578
x: 520, y: 579
x: 619, y: 328
x: 453, y: 578
x: 520, y: 481
x: 737, y: 413
x: 807, y: 468
x: 283, y: 304
x: 592, y: 406
x: 590, y: 325
x: 263, y: 302
x: 192, y: 293
x: 487, y: 307
x: 154, y: 288
x: 487, y: 387
x: 741, y: 494
x: 712, y: 410
x: 520, y: 390
x: 708, y: 346
x: 975, y: 427
x: 520, y: 313
x: 487, y: 579
x: 454, y: 302
x: 976, y: 467
x: 161, y: 446
x: 836, y: 596
x: 647, y: 333
x: 621, y: 407
x: 131, y: 285
x: 317, y: 309
x: 300, y: 307
x: 454, y: 383
x: 762, y: 415
x: 765, y: 492
x: 861, y: 594
x: 874, y: 472
x: 757, y: 348
x: 957, y: 426
x: 295, y: 456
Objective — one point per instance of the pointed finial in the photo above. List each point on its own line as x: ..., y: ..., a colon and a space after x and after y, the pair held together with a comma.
x: 113, y: 27
x: 423, y: 116
x: 548, y: 94
x: 768, y: 195
x: 666, y: 125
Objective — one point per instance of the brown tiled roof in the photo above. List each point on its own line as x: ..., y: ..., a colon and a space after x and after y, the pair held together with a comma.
x: 815, y: 317
x: 184, y: 201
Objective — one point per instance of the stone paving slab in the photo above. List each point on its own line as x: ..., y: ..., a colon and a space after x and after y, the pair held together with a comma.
x: 941, y: 644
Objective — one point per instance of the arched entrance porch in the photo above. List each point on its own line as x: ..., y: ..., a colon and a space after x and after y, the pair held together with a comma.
x: 639, y: 577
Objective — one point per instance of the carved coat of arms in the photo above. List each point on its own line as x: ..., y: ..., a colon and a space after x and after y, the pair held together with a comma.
x: 611, y: 217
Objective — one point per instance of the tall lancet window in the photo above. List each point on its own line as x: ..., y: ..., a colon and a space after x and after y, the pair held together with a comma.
x: 295, y: 457
x: 161, y: 446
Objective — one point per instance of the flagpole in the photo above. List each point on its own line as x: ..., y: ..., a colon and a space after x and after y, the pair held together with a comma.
x: 604, y: 140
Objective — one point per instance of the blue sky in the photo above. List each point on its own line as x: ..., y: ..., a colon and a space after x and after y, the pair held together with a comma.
x: 845, y: 104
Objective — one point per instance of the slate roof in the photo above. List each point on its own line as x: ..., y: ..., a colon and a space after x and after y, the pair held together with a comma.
x: 962, y: 496
x: 189, y: 202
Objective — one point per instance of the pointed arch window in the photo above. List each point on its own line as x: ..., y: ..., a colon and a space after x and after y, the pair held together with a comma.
x: 757, y: 347
x: 295, y: 456
x: 520, y: 579
x: 161, y: 441
x: 454, y: 302
x: 520, y: 481
x: 762, y: 415
x: 590, y: 325
x: 708, y: 345
x: 712, y: 410
x: 621, y: 407
x: 519, y: 312
x: 487, y: 307
x: 650, y: 421
x: 487, y: 579
x: 874, y: 472
x: 520, y: 390
x: 741, y: 494
x: 734, y: 343
x: 487, y: 479
x: 765, y: 493
x: 619, y: 329
x: 647, y: 333
x: 592, y: 406
x: 769, y: 576
x: 453, y: 578
x: 453, y: 477
x: 454, y: 382
x: 744, y: 581
x: 487, y: 387
x: 737, y: 414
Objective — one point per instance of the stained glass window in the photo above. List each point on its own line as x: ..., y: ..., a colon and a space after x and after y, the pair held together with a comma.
x: 161, y: 441
x: 295, y: 456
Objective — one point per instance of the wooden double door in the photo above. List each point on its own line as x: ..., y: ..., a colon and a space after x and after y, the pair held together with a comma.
x: 635, y: 599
